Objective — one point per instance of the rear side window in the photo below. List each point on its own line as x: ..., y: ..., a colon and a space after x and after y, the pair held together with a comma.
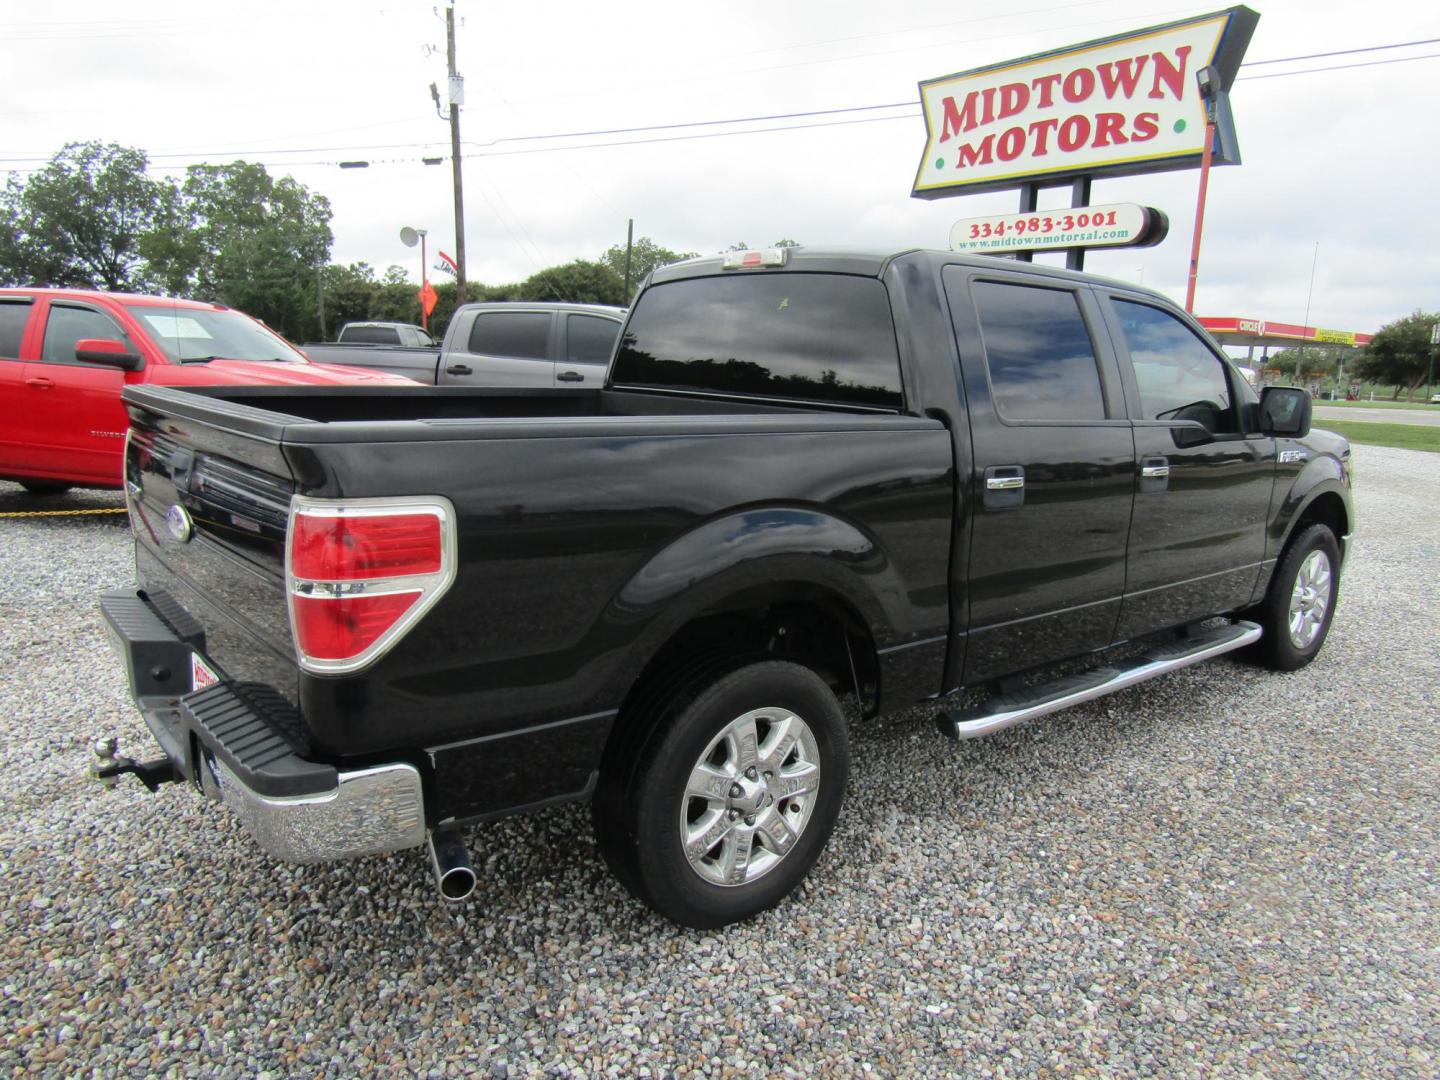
x: 1038, y: 352
x: 524, y: 334
x: 590, y: 339
x: 1179, y: 378
x: 13, y: 317
x: 370, y: 335
x: 67, y: 325
x: 806, y: 337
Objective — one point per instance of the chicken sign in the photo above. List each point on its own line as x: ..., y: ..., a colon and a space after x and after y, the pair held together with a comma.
x: 1119, y: 106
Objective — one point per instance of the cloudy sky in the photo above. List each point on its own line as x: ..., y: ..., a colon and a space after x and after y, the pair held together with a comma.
x: 1346, y: 158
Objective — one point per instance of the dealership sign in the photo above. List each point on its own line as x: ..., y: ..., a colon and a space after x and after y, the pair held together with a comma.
x: 1119, y: 225
x: 1119, y: 106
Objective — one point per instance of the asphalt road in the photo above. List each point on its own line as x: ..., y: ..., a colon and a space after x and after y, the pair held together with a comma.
x: 1428, y: 417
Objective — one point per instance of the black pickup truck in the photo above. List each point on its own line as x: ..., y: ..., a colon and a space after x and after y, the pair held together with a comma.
x: 367, y: 617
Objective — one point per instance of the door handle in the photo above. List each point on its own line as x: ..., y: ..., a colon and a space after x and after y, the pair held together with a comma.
x: 569, y: 376
x: 1154, y: 475
x: 1004, y: 487
x: 40, y: 383
x: 459, y: 369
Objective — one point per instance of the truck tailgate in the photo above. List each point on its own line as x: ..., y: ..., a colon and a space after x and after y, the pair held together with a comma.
x: 209, y: 508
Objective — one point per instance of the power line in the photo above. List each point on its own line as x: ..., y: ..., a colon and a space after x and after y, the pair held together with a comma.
x: 1340, y: 52
x: 697, y: 123
x: 712, y: 123
x: 1339, y: 67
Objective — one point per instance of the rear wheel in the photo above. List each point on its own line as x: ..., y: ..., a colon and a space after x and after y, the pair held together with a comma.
x: 1300, y: 605
x: 44, y: 487
x: 731, y: 801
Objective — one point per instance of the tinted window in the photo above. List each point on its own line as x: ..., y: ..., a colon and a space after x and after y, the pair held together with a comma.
x: 1179, y: 377
x: 590, y: 339
x: 67, y: 325
x: 370, y: 335
x: 13, y: 317
x: 511, y: 333
x: 1038, y: 352
x: 814, y: 337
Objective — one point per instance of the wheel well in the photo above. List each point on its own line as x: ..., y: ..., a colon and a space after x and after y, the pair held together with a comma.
x: 803, y: 624
x: 1328, y: 510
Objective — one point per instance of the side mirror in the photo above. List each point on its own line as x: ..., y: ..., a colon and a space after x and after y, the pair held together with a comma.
x: 107, y: 351
x: 1192, y: 434
x: 1285, y: 411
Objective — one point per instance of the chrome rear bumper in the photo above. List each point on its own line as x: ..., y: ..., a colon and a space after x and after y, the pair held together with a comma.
x: 370, y: 812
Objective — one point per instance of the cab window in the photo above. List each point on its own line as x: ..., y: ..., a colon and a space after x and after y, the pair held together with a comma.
x: 827, y: 338
x: 14, y: 314
x: 590, y: 340
x: 67, y: 325
x: 1179, y: 377
x: 1038, y: 353
x: 519, y: 334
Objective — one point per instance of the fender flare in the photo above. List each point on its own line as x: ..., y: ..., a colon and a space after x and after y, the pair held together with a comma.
x: 787, y: 550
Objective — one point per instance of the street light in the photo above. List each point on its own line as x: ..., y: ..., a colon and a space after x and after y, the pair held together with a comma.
x: 410, y: 237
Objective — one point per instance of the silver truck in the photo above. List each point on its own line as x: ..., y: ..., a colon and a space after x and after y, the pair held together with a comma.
x: 499, y: 344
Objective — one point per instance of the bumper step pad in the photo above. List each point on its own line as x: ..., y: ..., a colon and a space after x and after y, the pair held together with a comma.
x: 245, y: 724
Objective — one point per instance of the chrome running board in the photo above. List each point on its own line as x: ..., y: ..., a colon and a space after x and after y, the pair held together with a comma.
x: 1006, y: 710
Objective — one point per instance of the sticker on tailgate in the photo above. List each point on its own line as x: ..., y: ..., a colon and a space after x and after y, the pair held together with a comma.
x: 201, y: 673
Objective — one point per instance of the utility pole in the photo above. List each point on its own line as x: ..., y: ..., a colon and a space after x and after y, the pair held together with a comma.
x: 1430, y: 378
x: 629, y: 242
x: 320, y: 295
x: 1309, y: 294
x: 456, y: 97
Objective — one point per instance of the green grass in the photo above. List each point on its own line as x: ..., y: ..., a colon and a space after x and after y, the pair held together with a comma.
x: 1405, y: 436
x: 1418, y: 403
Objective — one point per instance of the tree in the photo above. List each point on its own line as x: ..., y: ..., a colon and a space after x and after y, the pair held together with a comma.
x: 1303, y: 361
x: 645, y: 256
x: 1400, y: 353
x: 578, y: 282
x: 248, y: 240
x: 743, y: 246
x: 83, y: 220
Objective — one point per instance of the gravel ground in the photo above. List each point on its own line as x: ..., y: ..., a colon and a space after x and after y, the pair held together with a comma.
x: 1224, y: 872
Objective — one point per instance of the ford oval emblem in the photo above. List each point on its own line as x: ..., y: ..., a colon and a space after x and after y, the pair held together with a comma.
x: 177, y: 520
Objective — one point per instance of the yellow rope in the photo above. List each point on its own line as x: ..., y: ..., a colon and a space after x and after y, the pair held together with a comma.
x: 60, y: 513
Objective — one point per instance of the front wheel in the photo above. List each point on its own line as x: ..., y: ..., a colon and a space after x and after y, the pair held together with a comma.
x: 45, y: 487
x: 1300, y: 605
x: 730, y: 802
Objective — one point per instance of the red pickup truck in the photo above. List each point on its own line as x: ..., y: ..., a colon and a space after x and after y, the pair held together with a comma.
x: 65, y: 355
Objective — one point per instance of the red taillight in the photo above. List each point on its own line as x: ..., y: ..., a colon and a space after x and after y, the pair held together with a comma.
x: 347, y: 548
x: 338, y: 628
x: 361, y: 573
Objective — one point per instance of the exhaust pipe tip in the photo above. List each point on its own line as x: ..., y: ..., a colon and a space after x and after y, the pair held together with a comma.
x: 454, y: 875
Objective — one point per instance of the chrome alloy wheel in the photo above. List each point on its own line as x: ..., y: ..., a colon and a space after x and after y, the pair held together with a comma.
x: 1310, y: 599
x: 750, y: 796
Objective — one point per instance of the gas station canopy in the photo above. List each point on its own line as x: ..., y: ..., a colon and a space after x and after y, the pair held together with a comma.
x: 1236, y: 330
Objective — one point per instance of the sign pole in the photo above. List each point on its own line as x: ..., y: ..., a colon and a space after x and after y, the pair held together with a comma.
x: 1079, y: 197
x: 1029, y: 203
x: 1199, y: 216
x: 424, y: 315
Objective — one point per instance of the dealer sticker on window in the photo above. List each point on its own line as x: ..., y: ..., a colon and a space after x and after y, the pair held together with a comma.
x: 201, y: 673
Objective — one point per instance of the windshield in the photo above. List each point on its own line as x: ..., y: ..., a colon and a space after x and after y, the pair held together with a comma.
x: 202, y: 334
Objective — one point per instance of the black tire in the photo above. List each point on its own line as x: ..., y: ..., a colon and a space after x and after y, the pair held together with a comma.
x: 640, y: 811
x: 45, y: 487
x: 1278, y: 649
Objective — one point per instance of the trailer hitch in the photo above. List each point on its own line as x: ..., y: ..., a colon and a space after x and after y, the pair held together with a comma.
x: 108, y: 768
